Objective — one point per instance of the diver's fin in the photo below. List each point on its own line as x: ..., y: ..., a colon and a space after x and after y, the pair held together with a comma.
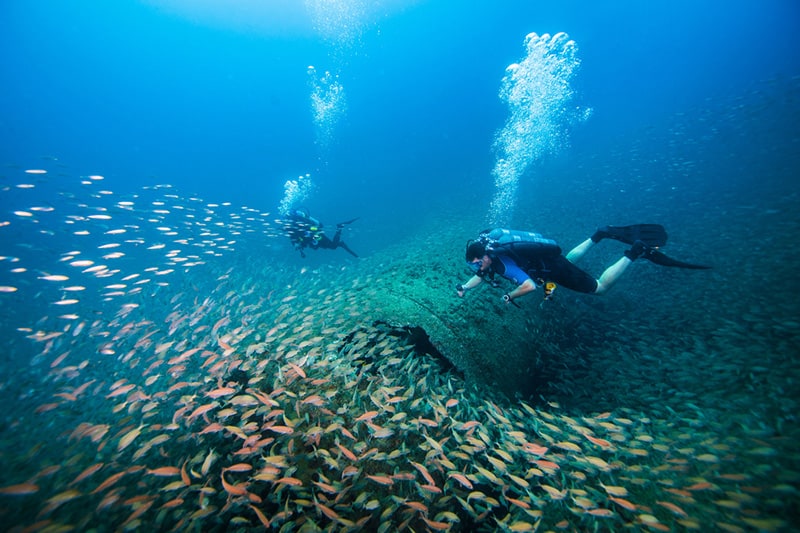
x: 342, y: 224
x: 660, y: 259
x: 652, y: 235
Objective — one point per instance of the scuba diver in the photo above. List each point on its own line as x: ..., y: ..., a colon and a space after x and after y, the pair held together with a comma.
x: 306, y: 231
x: 530, y: 260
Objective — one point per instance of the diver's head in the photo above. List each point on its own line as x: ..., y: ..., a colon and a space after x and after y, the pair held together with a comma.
x: 475, y: 250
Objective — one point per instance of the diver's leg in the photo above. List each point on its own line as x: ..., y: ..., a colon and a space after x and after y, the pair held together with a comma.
x: 568, y: 275
x: 341, y: 244
x: 325, y: 242
x: 579, y: 251
x: 338, y: 242
x: 610, y: 276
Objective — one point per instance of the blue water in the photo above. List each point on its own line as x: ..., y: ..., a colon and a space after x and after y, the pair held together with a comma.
x: 138, y: 92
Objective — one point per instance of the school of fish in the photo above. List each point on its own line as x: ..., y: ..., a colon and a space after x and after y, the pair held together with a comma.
x: 168, y: 391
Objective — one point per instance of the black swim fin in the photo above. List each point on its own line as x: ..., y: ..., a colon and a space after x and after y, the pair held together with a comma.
x: 660, y: 259
x: 652, y: 235
x: 342, y: 224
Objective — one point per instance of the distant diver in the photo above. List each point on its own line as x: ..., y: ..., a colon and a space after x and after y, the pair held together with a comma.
x: 530, y: 260
x: 306, y: 231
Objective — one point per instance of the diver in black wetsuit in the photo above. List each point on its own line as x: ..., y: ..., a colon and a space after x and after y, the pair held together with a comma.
x: 306, y: 231
x: 527, y: 258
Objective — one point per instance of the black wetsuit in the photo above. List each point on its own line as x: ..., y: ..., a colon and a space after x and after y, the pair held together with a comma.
x: 541, y: 268
x: 306, y: 231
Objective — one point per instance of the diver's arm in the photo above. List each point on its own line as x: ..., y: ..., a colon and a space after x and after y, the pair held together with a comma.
x: 524, y: 288
x: 474, y: 281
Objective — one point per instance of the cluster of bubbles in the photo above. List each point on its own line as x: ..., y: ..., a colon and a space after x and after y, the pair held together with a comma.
x: 328, y: 104
x: 340, y: 22
x: 537, y: 91
x: 294, y: 192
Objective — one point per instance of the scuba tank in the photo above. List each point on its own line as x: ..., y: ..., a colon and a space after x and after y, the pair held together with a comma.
x: 521, y: 243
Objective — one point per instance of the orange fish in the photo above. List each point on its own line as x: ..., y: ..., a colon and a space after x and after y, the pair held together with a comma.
x: 57, y: 361
x: 284, y: 430
x: 601, y: 512
x: 703, y: 485
x: 179, y: 385
x: 183, y: 357
x: 137, y: 499
x: 110, y: 499
x: 184, y: 475
x: 314, y: 399
x: 202, y: 410
x: 547, y: 465
x: 430, y: 488
x: 79, y: 390
x: 153, y: 366
x: 381, y: 480
x: 330, y: 489
x: 427, y: 422
x: 461, y: 478
x: 421, y: 507
x: 66, y: 395
x: 128, y: 438
x: 117, y: 383
x: 214, y: 370
x: 175, y: 502
x: 623, y: 503
x: 535, y: 449
x: 220, y: 392
x: 679, y: 492
x: 263, y: 519
x: 63, y: 497
x: 330, y: 513
x: 600, y: 442
x: 438, y: 526
x: 235, y: 490
x: 424, y: 471
x: 137, y: 513
x: 214, y: 427
x: 164, y: 471
x: 48, y: 470
x: 673, y: 508
x: 519, y: 503
x: 110, y: 481
x: 236, y: 430
x: 369, y: 415
x: 239, y: 467
x: 219, y: 323
x: 347, y: 453
x: 289, y: 481
x: 121, y: 390
x: 225, y: 346
x: 19, y: 490
x: 346, y: 433
x: 86, y: 473
x: 298, y: 370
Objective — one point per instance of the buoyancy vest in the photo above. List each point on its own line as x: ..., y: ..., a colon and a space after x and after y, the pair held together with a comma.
x: 523, y: 246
